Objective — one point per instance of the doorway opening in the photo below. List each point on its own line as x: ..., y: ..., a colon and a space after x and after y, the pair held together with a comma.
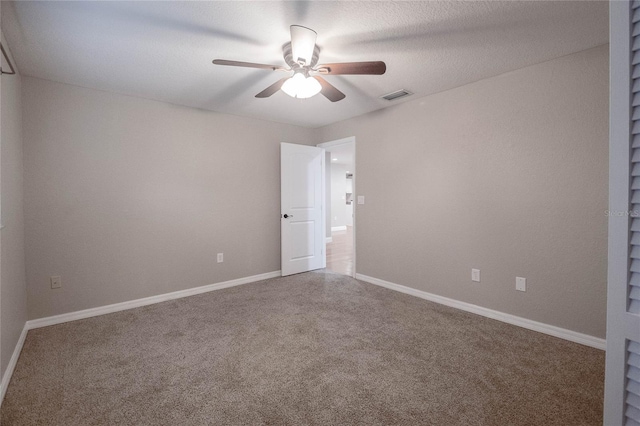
x: 340, y: 175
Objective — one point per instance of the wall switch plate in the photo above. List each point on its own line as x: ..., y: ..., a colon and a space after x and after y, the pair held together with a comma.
x: 360, y: 199
x: 220, y: 257
x: 475, y: 275
x: 56, y: 282
x: 521, y: 284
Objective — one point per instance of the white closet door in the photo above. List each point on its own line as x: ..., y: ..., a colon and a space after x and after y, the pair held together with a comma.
x: 622, y: 382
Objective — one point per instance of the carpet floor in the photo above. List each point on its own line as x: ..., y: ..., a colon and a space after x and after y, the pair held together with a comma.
x: 311, y: 349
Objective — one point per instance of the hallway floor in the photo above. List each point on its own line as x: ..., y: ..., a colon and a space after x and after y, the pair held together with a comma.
x: 340, y: 252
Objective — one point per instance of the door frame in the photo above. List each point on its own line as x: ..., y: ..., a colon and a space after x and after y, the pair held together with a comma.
x: 327, y: 146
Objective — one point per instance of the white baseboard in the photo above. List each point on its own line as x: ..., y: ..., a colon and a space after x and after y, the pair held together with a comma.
x: 339, y: 228
x: 6, y: 377
x: 328, y: 240
x: 116, y: 307
x: 551, y: 330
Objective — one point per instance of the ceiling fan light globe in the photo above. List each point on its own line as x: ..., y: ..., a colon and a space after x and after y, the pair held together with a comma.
x: 301, y: 87
x: 290, y: 87
x: 311, y: 87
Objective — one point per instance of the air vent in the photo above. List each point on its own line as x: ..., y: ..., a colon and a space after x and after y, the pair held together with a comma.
x: 396, y: 95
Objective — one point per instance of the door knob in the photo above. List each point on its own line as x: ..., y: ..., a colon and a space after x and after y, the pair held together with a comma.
x: 287, y: 215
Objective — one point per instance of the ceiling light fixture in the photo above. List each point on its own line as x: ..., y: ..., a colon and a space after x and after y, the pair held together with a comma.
x: 301, y: 56
x: 334, y: 159
x: 301, y: 86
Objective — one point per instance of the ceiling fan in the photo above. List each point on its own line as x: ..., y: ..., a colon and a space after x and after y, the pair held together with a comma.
x: 301, y: 55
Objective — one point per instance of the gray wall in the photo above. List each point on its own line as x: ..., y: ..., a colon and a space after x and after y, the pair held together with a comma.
x: 13, y: 294
x: 508, y: 175
x: 127, y: 198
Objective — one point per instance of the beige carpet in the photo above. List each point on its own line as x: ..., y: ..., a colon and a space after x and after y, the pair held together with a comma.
x: 315, y: 348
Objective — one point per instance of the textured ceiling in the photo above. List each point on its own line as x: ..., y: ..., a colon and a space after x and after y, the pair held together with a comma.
x: 163, y: 50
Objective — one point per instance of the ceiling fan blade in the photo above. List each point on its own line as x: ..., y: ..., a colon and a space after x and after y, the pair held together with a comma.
x: 329, y: 91
x: 369, y: 68
x: 248, y: 65
x: 272, y: 89
x: 303, y: 41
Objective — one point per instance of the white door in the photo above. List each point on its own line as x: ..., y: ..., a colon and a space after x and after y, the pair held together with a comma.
x: 622, y: 374
x: 301, y: 215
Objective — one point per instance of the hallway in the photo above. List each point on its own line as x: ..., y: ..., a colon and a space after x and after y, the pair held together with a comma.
x: 340, y: 252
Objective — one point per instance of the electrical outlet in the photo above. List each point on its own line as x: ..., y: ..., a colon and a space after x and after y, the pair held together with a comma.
x: 521, y: 284
x: 360, y: 199
x: 56, y: 282
x: 475, y: 275
x: 220, y: 257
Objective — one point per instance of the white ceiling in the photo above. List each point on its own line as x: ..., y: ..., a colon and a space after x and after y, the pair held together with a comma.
x: 163, y: 50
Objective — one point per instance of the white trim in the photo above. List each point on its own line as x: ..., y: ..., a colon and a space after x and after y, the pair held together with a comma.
x: 551, y: 330
x: 337, y: 142
x: 323, y: 208
x: 6, y: 377
x: 328, y: 240
x: 116, y: 307
x: 339, y: 228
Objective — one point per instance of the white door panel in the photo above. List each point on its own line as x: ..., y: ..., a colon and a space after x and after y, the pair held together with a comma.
x: 302, y: 230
